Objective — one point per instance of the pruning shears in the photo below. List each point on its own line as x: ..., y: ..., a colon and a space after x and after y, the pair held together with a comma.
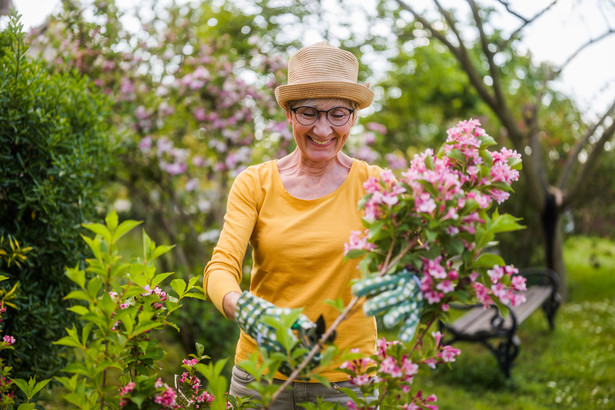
x: 310, y: 333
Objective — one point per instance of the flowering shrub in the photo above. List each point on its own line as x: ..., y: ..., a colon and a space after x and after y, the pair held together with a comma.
x: 436, y: 222
x: 116, y: 360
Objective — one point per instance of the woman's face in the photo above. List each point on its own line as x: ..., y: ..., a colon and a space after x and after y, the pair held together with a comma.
x: 321, y: 141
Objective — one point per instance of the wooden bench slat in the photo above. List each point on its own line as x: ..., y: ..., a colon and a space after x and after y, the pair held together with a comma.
x: 478, y: 319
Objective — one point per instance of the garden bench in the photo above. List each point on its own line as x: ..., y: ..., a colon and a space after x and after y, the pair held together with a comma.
x: 498, y: 334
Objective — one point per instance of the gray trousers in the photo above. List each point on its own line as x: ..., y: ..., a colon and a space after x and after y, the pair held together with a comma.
x: 300, y: 392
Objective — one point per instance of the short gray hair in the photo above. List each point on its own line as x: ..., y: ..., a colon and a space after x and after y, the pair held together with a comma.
x: 312, y: 101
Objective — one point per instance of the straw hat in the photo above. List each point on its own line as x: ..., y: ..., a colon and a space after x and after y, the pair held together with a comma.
x: 323, y: 71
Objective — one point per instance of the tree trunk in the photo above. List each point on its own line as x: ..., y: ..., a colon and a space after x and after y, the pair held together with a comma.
x: 554, y: 244
x: 5, y: 7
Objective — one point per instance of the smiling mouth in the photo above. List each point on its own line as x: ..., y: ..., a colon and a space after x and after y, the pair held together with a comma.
x: 320, y: 142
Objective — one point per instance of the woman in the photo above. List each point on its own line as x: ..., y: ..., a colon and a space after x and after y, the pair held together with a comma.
x: 297, y: 213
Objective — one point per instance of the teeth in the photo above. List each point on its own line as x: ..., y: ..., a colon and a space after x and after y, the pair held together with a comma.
x: 321, y: 142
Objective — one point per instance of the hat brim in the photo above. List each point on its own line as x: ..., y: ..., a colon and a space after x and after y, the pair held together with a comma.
x: 362, y: 95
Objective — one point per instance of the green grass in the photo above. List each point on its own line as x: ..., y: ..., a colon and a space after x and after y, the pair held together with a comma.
x: 571, y: 367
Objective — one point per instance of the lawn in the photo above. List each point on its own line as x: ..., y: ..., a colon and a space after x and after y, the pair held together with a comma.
x: 571, y: 367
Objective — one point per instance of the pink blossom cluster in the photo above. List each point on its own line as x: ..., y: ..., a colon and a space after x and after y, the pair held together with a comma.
x: 358, y: 369
x: 445, y: 195
x: 402, y: 369
x: 8, y: 340
x: 444, y: 353
x: 392, y: 367
x: 162, y: 295
x: 506, y: 285
x: 167, y: 397
x: 358, y: 241
x: 124, y: 391
x: 384, y: 192
x: 194, y: 383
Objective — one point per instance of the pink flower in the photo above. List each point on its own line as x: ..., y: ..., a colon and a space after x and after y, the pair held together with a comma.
x: 127, y: 389
x: 166, y: 398
x: 518, y: 283
x: 147, y: 292
x: 190, y: 362
x: 205, y: 398
x: 446, y: 286
x: 146, y: 144
x: 360, y: 380
x: 9, y: 340
x: 199, y: 114
x: 496, y: 273
x: 358, y: 241
x: 449, y: 354
x: 374, y: 126
x: 388, y: 366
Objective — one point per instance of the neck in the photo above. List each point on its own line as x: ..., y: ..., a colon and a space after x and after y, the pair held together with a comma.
x: 299, y: 165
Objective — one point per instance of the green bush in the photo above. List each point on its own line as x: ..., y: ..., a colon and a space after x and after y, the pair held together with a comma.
x: 56, y: 156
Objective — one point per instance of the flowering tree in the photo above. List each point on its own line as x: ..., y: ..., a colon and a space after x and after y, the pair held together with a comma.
x: 192, y: 108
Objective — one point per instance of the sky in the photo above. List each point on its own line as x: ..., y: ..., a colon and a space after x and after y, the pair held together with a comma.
x: 564, y: 28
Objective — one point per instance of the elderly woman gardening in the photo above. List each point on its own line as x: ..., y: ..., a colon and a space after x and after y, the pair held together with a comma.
x: 297, y: 213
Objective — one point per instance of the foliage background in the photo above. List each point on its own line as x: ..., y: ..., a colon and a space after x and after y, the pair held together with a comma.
x: 175, y: 87
x: 56, y: 152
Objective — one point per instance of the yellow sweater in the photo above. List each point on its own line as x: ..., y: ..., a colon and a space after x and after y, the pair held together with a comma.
x: 298, y: 252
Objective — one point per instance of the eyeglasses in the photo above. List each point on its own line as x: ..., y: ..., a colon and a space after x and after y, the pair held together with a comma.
x: 337, y: 116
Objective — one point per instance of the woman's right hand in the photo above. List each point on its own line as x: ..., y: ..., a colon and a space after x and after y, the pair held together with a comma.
x: 229, y: 304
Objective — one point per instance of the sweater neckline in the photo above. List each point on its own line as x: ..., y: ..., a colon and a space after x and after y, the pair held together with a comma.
x: 335, y: 192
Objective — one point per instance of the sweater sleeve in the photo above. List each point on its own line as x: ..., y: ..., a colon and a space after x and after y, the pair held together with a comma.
x: 223, y: 273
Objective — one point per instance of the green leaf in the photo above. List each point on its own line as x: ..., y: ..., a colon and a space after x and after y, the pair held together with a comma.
x: 322, y: 380
x: 94, y: 286
x: 195, y: 295
x: 99, y: 229
x: 160, y: 250
x: 79, y: 309
x: 179, y: 286
x: 111, y: 220
x: 338, y: 304
x: 159, y: 278
x: 504, y: 223
x: 489, y: 260
x: 486, y: 141
x: 124, y: 228
x: 79, y: 295
x: 355, y: 253
x: 31, y: 387
x: 107, y: 304
x: 76, y: 275
x: 144, y: 327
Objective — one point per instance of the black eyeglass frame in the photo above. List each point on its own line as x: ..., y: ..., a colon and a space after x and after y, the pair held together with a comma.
x: 351, y: 111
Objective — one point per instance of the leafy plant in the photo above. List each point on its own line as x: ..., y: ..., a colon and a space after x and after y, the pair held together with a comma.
x: 120, y: 308
x: 56, y: 155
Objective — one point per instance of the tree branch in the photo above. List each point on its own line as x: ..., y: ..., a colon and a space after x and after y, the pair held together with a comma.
x: 589, y: 165
x: 526, y: 21
x: 580, y: 145
x: 493, y: 69
x: 584, y: 46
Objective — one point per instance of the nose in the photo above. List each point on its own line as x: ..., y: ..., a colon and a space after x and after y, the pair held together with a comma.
x: 322, y: 127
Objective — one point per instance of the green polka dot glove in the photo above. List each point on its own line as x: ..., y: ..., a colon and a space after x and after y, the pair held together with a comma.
x: 398, y: 296
x: 252, y: 314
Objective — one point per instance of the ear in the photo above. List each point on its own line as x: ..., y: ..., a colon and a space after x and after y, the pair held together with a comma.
x: 355, y: 115
x: 289, y: 116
